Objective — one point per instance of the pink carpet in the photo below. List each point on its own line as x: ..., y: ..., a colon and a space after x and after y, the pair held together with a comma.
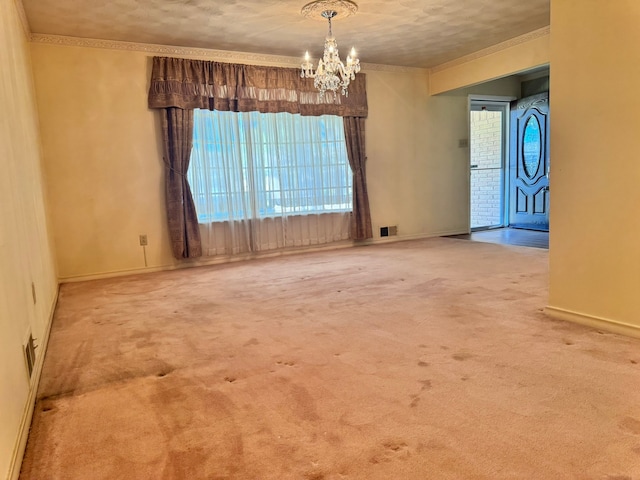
x: 426, y: 359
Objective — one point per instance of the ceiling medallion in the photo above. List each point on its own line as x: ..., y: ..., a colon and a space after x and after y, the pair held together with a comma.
x: 343, y: 8
x: 331, y: 74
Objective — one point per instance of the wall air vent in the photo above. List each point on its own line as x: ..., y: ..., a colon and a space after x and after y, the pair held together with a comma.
x: 389, y: 231
x: 30, y: 354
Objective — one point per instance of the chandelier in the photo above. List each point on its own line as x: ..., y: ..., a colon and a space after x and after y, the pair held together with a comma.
x: 331, y: 74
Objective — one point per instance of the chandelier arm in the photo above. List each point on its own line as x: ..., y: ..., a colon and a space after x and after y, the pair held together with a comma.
x: 343, y: 71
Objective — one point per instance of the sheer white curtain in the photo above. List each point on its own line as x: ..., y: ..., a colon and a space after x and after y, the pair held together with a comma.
x: 264, y: 181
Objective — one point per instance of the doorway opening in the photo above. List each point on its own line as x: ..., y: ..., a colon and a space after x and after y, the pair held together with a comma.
x: 488, y: 144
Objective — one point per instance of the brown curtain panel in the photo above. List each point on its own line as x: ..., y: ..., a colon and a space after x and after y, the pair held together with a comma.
x: 188, y: 84
x: 181, y: 83
x: 177, y: 136
x: 354, y: 135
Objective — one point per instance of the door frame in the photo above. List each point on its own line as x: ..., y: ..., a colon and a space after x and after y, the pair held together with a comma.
x: 500, y: 103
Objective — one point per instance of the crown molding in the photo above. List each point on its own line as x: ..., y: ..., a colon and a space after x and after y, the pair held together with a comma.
x: 377, y: 67
x: 527, y: 37
x: 162, y: 49
x: 22, y: 15
x: 218, y: 55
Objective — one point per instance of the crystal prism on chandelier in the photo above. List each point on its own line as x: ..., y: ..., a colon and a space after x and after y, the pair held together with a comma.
x: 331, y: 74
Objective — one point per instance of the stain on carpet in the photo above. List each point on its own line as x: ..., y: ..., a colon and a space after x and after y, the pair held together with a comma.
x: 426, y: 385
x: 389, y: 451
x: 314, y: 476
x: 631, y: 425
x: 305, y: 403
x: 253, y: 341
x: 288, y: 363
x: 461, y: 357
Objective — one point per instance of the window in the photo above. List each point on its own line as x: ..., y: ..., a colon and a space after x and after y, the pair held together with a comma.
x: 260, y: 165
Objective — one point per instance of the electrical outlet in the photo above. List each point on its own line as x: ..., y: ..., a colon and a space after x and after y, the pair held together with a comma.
x: 143, y: 240
x: 393, y: 230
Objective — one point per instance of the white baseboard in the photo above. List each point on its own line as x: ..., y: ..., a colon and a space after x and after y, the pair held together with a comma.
x: 594, y: 322
x: 217, y: 260
x: 27, y: 415
x: 206, y: 261
x: 404, y: 238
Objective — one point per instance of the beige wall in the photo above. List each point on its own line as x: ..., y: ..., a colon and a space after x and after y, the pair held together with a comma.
x: 102, y: 161
x: 595, y: 224
x: 105, y: 174
x: 25, y: 250
x: 512, y: 57
x: 416, y: 172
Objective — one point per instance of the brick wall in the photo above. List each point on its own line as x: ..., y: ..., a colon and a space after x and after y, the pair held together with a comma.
x: 486, y: 171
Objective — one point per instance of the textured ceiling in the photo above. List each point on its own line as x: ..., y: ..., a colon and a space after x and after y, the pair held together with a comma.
x: 417, y: 33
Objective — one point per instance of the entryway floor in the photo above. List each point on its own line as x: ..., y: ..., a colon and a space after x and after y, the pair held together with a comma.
x: 509, y: 236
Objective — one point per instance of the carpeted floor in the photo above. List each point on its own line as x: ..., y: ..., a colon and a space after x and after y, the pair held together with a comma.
x: 426, y: 359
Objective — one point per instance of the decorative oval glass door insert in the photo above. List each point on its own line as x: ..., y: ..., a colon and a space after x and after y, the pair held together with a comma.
x: 531, y: 146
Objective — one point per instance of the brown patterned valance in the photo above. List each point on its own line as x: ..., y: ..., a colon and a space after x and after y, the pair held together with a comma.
x: 189, y: 84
